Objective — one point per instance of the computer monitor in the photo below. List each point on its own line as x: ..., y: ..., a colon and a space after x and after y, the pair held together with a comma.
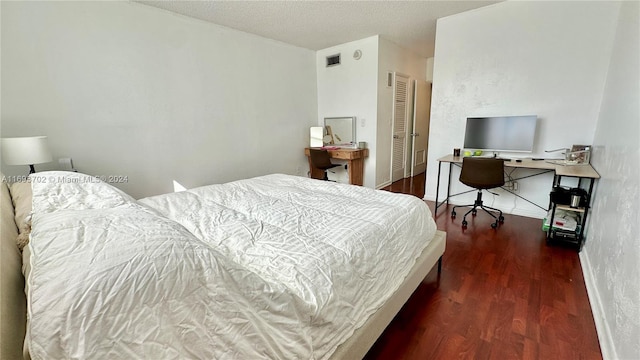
x: 501, y: 133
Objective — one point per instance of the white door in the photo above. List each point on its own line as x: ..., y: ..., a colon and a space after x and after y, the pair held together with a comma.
x: 399, y: 143
x: 420, y: 131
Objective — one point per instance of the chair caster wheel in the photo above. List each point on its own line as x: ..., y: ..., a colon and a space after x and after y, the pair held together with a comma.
x: 453, y: 214
x: 494, y: 225
x: 464, y: 223
x: 501, y: 219
x: 474, y: 212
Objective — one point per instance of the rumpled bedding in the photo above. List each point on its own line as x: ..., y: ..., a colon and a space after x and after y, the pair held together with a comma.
x: 275, y: 267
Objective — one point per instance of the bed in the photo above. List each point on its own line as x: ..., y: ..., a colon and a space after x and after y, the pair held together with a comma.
x: 271, y: 267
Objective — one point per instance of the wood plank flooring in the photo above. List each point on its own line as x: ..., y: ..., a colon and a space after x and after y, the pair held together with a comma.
x: 502, y: 294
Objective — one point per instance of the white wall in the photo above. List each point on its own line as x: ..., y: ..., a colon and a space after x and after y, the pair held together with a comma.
x: 132, y: 90
x: 518, y: 58
x: 611, y: 255
x: 359, y: 88
x: 392, y: 58
x: 350, y: 89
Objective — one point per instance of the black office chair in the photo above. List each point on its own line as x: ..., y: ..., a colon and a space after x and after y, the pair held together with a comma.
x: 481, y: 173
x: 320, y: 159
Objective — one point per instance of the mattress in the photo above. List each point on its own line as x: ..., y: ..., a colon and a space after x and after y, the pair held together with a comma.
x: 270, y: 267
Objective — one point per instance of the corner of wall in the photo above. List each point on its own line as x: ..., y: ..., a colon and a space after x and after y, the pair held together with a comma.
x: 350, y: 89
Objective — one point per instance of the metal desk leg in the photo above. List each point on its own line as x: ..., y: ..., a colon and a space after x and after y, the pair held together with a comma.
x: 584, y: 215
x: 449, y: 182
x: 446, y: 200
x: 435, y: 212
x: 556, y: 182
x: 552, y: 206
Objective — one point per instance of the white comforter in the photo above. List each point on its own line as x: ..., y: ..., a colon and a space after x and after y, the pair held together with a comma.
x: 271, y: 267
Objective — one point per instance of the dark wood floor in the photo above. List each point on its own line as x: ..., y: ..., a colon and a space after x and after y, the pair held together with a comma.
x: 502, y: 294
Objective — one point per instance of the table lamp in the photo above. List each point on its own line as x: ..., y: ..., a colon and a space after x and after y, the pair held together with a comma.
x: 26, y: 151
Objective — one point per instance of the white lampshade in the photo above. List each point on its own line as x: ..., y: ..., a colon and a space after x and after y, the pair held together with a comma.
x: 26, y: 150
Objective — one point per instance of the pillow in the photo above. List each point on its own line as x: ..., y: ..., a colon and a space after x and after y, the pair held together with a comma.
x: 64, y: 190
x: 21, y: 197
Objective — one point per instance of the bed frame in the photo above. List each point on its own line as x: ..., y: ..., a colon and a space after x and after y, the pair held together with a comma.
x: 363, y: 338
x: 13, y: 302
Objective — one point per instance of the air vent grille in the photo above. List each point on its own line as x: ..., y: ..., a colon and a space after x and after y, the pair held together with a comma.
x: 333, y: 60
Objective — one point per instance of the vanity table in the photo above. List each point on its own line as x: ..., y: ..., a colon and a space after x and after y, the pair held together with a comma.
x: 355, y: 163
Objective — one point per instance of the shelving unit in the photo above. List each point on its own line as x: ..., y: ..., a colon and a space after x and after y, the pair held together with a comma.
x: 569, y: 237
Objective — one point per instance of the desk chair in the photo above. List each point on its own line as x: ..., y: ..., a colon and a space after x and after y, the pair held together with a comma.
x: 481, y: 173
x: 320, y: 159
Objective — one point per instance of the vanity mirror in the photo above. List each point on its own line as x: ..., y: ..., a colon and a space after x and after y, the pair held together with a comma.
x: 340, y: 131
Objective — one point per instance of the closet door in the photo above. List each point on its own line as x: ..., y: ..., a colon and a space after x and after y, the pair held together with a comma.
x: 420, y: 132
x: 400, y: 117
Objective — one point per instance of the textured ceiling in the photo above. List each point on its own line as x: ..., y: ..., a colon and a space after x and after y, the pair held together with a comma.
x: 317, y: 25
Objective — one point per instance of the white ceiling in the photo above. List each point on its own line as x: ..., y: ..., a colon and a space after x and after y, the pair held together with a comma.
x: 317, y: 25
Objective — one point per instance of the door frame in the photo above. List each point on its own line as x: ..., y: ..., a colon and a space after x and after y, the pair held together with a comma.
x: 424, y: 134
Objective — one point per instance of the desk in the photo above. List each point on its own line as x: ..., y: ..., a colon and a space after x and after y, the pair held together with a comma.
x: 541, y: 165
x: 355, y: 163
x: 580, y: 172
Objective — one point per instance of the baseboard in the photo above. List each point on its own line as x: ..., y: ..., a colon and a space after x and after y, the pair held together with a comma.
x: 384, y: 184
x: 527, y: 213
x: 513, y: 211
x: 599, y: 316
x: 428, y: 198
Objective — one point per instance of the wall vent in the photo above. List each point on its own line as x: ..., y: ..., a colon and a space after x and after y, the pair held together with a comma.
x: 333, y: 60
